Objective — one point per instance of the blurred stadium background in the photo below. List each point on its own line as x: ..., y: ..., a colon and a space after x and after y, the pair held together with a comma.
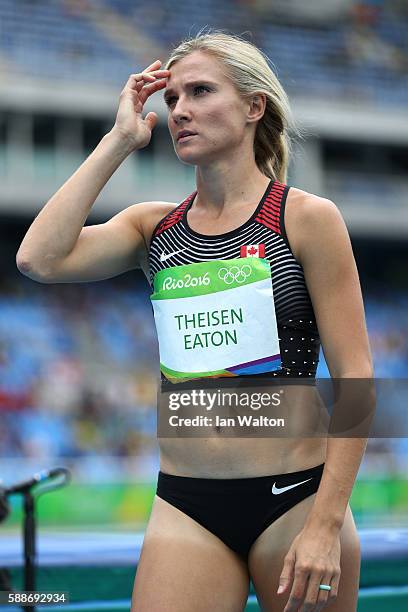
x: 79, y: 362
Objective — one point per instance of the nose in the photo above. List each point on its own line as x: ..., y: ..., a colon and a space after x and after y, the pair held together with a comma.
x: 180, y: 112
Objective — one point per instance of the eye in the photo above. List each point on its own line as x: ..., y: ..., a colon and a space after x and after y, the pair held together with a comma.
x: 198, y: 90
x: 202, y: 87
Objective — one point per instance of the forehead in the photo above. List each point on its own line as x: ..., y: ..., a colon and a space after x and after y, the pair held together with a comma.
x: 196, y: 65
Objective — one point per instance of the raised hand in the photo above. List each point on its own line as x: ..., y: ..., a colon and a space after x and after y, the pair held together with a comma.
x: 129, y: 121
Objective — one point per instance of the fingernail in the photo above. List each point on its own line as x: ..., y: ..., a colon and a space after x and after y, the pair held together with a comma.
x: 281, y: 589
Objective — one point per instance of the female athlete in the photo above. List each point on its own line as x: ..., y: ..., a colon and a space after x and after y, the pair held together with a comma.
x: 227, y: 510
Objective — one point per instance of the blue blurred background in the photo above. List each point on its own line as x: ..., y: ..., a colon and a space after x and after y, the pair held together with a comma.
x: 79, y: 362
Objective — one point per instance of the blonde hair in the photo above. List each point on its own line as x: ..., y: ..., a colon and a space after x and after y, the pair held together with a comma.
x: 249, y: 70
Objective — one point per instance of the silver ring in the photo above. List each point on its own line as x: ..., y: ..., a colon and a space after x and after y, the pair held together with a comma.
x: 325, y: 587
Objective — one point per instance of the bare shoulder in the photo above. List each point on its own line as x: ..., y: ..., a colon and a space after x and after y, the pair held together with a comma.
x: 144, y: 216
x: 307, y: 215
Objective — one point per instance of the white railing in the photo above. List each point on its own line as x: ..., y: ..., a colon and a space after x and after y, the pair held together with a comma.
x: 29, y: 179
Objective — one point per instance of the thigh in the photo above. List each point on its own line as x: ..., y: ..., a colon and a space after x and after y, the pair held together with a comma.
x: 268, y: 552
x: 185, y: 567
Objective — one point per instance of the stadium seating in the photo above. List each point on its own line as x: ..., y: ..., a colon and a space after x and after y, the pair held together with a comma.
x: 59, y: 40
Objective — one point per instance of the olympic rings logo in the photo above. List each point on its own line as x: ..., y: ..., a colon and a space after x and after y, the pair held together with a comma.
x: 235, y: 273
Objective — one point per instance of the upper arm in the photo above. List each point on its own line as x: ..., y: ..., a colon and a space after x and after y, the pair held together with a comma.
x: 331, y: 276
x: 106, y: 249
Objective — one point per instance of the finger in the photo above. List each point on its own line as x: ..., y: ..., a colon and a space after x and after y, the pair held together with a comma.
x: 328, y: 597
x: 286, y: 577
x: 313, y: 593
x: 142, y: 77
x: 155, y: 73
x: 150, y: 89
x: 335, y: 583
x: 151, y: 67
x: 298, y: 589
x: 148, y: 77
x: 142, y: 85
x: 151, y: 120
x: 162, y: 81
x: 133, y: 80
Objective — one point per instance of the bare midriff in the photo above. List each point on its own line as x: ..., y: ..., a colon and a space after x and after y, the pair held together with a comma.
x: 239, y: 458
x: 295, y: 447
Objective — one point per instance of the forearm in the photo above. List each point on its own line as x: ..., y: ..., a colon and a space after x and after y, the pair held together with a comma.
x: 343, y: 459
x: 353, y: 413
x: 55, y: 230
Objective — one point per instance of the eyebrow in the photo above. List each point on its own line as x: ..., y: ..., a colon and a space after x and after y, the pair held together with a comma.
x: 170, y: 91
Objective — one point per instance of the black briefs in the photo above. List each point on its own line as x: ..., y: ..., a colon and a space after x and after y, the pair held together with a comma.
x: 238, y: 510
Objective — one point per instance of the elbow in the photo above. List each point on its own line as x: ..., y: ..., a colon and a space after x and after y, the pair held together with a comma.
x: 27, y: 269
x: 362, y: 367
x: 23, y: 265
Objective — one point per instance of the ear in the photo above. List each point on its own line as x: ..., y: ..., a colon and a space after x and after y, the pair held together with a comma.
x: 256, y: 107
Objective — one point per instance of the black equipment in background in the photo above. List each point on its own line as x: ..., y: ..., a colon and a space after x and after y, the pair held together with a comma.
x: 4, y: 506
x: 29, y: 527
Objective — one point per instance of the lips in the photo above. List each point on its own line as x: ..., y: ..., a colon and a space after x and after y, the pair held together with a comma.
x: 185, y: 133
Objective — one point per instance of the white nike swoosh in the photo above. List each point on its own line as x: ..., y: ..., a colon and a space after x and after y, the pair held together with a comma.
x: 276, y: 491
x: 164, y: 256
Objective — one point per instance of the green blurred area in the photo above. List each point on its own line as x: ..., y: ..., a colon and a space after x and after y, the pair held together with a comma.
x: 91, y: 504
x: 124, y: 504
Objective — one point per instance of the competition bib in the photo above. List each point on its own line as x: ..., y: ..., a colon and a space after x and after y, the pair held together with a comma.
x: 216, y: 319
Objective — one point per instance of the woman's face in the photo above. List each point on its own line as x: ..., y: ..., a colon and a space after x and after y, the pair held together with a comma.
x: 202, y: 100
